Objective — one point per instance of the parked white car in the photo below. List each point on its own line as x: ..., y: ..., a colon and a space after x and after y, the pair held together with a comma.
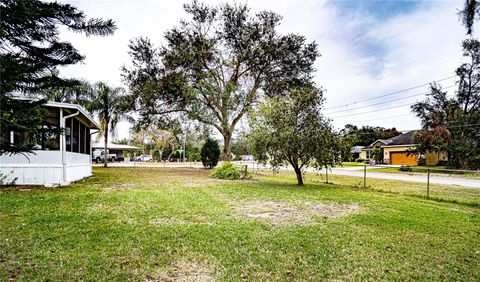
x: 143, y: 158
x: 98, y: 155
x: 247, y: 158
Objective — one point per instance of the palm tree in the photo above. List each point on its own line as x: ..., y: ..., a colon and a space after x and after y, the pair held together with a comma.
x: 109, y: 105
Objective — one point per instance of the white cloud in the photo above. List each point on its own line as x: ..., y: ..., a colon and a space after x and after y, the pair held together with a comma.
x: 415, y: 48
x: 361, y: 57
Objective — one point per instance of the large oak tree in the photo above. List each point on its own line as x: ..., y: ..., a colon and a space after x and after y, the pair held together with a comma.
x: 216, y: 65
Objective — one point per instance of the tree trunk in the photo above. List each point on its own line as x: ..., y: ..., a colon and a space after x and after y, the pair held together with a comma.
x: 105, y: 138
x: 298, y: 172
x: 227, y: 147
x: 169, y: 156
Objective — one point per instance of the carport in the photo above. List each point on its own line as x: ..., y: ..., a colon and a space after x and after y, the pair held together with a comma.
x: 117, y: 149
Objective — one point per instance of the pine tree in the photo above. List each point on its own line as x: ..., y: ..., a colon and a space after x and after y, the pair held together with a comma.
x: 210, y: 153
x: 30, y: 53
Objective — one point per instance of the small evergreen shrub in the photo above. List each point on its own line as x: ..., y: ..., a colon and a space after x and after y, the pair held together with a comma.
x: 210, y: 153
x: 442, y: 163
x: 226, y: 171
x: 406, y: 168
x: 422, y: 160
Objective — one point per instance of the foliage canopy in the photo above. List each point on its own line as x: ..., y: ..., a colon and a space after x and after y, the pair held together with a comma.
x: 450, y: 124
x: 292, y: 129
x: 30, y: 53
x: 216, y: 65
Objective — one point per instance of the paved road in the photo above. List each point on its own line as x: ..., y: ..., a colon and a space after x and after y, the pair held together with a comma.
x: 422, y: 178
x: 446, y: 180
x: 348, y: 171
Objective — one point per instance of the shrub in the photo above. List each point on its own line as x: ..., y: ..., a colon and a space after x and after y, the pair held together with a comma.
x: 422, y: 160
x: 360, y: 160
x: 210, y: 153
x: 406, y: 168
x: 226, y: 171
x: 378, y: 155
x: 442, y: 163
x: 193, y: 154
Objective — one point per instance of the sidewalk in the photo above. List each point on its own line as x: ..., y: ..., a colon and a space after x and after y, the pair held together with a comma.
x: 466, y: 182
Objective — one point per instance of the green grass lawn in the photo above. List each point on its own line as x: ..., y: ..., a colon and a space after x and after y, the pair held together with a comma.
x: 155, y: 224
x: 351, y: 164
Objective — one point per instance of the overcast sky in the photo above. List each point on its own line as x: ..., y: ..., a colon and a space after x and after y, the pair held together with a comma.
x: 368, y: 48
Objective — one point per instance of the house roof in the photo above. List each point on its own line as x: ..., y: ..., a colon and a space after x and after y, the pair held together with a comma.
x: 83, y: 115
x: 86, y: 117
x: 384, y: 141
x: 407, y: 138
x: 100, y: 145
x: 357, y: 149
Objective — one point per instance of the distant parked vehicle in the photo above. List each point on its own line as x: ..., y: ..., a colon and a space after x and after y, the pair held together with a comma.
x: 98, y: 156
x: 143, y: 158
x: 247, y: 158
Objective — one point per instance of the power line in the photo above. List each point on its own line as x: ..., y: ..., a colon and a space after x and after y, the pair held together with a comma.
x: 417, y: 129
x: 369, y: 112
x: 384, y: 102
x: 384, y: 117
x: 388, y: 94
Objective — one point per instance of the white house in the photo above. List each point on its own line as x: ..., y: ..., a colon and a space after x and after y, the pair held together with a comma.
x: 59, y: 158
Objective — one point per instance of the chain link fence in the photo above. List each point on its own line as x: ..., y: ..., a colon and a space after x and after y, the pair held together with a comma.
x: 461, y: 186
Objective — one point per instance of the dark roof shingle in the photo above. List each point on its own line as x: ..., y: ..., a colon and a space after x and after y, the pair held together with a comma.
x: 403, y: 139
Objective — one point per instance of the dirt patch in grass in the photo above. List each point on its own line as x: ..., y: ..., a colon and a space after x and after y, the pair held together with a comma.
x: 201, y: 180
x: 184, y: 270
x: 167, y: 221
x: 24, y: 188
x: 114, y: 186
x: 302, y: 213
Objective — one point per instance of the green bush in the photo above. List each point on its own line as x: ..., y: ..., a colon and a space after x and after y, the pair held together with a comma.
x: 226, y: 171
x: 210, y: 153
x: 193, y: 154
x: 442, y: 163
x: 406, y: 168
